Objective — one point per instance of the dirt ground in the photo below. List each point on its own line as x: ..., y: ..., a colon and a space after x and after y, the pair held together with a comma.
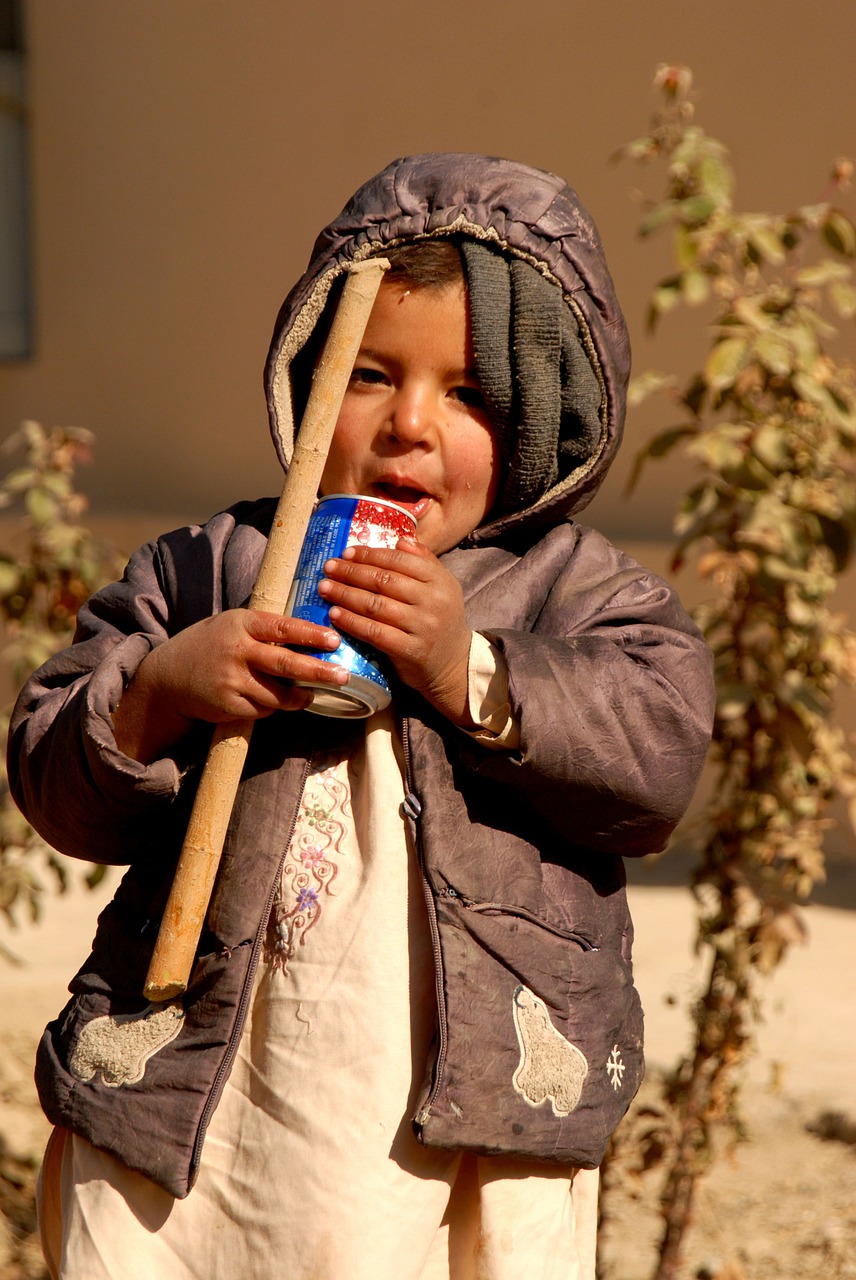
x: 782, y: 1205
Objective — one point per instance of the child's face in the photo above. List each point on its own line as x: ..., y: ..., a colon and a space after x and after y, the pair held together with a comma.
x: 413, y: 428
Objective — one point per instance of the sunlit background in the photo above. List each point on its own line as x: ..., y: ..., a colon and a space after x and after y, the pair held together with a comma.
x: 181, y: 158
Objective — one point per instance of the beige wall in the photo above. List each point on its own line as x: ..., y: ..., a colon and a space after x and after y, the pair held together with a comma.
x: 184, y: 154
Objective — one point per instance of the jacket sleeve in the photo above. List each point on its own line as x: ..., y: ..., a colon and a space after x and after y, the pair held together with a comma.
x: 80, y: 792
x: 66, y: 773
x: 613, y: 695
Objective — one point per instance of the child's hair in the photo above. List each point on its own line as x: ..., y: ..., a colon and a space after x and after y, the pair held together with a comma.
x: 426, y: 264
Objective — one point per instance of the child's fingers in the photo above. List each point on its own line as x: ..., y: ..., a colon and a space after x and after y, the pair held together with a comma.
x: 270, y: 665
x: 409, y: 558
x: 273, y: 666
x: 366, y: 587
x: 390, y: 574
x: 276, y: 628
x: 372, y: 627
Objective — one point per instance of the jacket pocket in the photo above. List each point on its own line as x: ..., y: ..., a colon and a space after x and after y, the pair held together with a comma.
x: 541, y: 954
x: 544, y: 1036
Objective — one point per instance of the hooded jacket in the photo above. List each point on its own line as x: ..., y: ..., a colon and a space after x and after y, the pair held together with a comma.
x: 539, y: 1029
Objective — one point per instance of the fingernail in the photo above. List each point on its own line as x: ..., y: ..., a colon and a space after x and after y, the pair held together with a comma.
x: 323, y: 587
x: 331, y: 639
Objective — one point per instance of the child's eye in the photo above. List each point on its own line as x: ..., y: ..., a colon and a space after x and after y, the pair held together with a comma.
x: 367, y: 377
x: 472, y: 397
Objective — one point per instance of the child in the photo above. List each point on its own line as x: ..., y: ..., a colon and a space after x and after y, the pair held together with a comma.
x: 411, y: 1026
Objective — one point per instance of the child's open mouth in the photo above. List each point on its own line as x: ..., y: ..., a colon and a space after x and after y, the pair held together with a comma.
x: 416, y: 501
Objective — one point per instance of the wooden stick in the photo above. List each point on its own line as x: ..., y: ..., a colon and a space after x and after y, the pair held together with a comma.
x: 184, y: 916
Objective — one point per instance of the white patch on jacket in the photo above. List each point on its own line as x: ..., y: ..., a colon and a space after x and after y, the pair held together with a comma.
x: 119, y: 1047
x: 550, y: 1066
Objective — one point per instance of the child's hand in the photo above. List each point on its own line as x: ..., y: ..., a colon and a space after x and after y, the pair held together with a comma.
x: 229, y: 667
x: 405, y: 604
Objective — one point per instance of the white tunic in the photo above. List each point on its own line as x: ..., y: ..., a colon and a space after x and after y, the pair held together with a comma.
x: 310, y: 1168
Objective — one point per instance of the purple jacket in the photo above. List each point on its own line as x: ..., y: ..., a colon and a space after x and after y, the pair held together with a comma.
x: 539, y: 1044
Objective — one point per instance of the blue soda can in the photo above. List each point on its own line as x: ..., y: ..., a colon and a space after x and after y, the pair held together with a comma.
x: 339, y: 521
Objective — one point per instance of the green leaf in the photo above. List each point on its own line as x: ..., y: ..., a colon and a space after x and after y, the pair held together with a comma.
x: 665, y: 297
x: 733, y: 700
x: 716, y: 177
x: 659, y: 447
x: 695, y: 509
x: 33, y: 435
x: 795, y: 689
x: 774, y: 352
x: 725, y: 362
x: 818, y: 394
x: 95, y: 875
x: 647, y: 384
x: 696, y: 209
x: 840, y: 233
x: 694, y: 395
x: 20, y: 480
x: 751, y: 313
x: 822, y: 273
x: 771, y: 446
x: 656, y: 217
x: 767, y: 244
x: 686, y: 247
x: 41, y: 505
x: 695, y: 287
x: 10, y: 578
x: 720, y: 448
x: 803, y: 339
x: 783, y: 570
x: 843, y: 297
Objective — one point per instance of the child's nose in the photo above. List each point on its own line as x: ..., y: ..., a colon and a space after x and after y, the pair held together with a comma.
x: 414, y: 416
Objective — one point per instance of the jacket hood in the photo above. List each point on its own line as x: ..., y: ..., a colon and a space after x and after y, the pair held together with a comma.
x: 524, y: 213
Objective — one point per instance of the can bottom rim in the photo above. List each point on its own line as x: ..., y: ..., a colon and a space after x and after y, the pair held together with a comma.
x: 344, y: 704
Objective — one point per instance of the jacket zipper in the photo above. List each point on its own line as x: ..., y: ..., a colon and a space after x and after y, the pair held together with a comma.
x: 243, y: 1004
x: 504, y: 909
x: 413, y: 809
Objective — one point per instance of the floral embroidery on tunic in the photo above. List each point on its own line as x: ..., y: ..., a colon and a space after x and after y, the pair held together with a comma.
x: 312, y: 862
